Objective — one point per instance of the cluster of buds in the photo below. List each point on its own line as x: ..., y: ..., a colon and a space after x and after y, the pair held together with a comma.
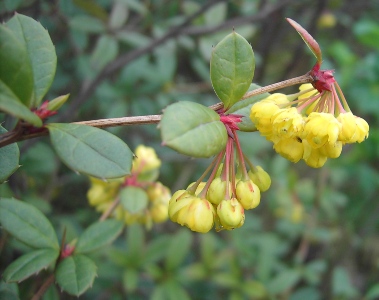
x: 312, y: 125
x: 122, y: 195
x: 222, y: 200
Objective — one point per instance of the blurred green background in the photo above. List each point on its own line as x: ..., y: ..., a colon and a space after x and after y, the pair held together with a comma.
x: 315, y: 233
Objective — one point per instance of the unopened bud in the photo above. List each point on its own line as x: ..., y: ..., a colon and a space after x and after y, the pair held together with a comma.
x: 231, y: 213
x: 248, y: 194
x: 261, y: 178
x: 56, y: 103
x: 217, y: 190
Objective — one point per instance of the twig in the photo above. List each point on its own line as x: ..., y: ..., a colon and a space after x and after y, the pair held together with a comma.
x: 49, y: 281
x: 110, y: 209
x: 150, y: 119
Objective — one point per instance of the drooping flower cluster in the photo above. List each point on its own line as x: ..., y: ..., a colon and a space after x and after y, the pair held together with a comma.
x: 137, y: 198
x: 223, y: 199
x: 312, y: 125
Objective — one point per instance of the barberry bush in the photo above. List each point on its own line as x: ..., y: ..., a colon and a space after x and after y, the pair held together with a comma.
x: 188, y: 150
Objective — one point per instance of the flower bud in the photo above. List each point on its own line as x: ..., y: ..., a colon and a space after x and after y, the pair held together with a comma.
x: 354, y: 129
x: 146, y: 160
x: 199, y: 188
x: 261, y: 178
x: 217, y: 190
x: 158, y: 193
x: 248, y: 194
x: 179, y: 200
x: 159, y: 212
x: 231, y: 213
x: 198, y: 216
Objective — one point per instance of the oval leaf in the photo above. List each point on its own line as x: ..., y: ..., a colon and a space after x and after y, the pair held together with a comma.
x: 134, y: 199
x: 15, y: 69
x: 75, y: 274
x: 9, y: 158
x: 90, y: 150
x: 27, y: 223
x: 41, y: 52
x: 176, y: 255
x: 232, y: 68
x: 10, y: 104
x: 98, y: 235
x: 244, y: 108
x: 193, y: 129
x: 29, y: 264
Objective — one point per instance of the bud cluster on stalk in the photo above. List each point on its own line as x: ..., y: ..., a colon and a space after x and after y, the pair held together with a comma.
x: 222, y: 200
x: 105, y: 195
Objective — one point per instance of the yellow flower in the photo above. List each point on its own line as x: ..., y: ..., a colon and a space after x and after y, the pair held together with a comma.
x: 287, y: 122
x: 103, y: 191
x: 321, y: 128
x: 290, y: 148
x: 354, y: 129
x: 146, y: 160
x: 313, y: 157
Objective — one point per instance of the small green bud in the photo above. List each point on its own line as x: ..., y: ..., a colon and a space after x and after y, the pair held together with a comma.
x: 217, y: 190
x: 248, y: 194
x: 261, y: 178
x: 231, y: 213
x: 56, y: 103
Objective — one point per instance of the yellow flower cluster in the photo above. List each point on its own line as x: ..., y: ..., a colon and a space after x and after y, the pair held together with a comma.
x: 108, y: 195
x: 307, y: 132
x: 200, y: 214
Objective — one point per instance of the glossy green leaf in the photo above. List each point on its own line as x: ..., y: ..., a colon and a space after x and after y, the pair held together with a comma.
x: 9, y: 159
x: 15, y: 68
x: 75, y: 274
x: 27, y: 224
x: 98, y: 235
x: 232, y: 68
x: 176, y: 255
x: 193, y: 129
x: 9, y: 291
x: 244, y: 108
x: 134, y: 199
x: 29, y: 264
x: 10, y: 104
x: 90, y: 150
x: 130, y: 279
x: 41, y: 53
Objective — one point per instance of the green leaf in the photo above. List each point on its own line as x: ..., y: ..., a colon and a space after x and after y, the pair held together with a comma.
x: 87, y: 24
x: 176, y: 255
x: 9, y: 159
x: 373, y: 292
x: 118, y: 15
x: 105, y: 51
x: 9, y: 291
x: 90, y: 150
x: 244, y: 108
x: 284, y: 281
x: 193, y: 129
x: 10, y: 104
x: 15, y: 68
x: 75, y: 274
x: 232, y: 68
x: 40, y: 50
x: 29, y: 264
x: 130, y: 279
x: 135, y: 243
x: 134, y: 199
x: 341, y: 284
x: 27, y: 224
x: 98, y: 235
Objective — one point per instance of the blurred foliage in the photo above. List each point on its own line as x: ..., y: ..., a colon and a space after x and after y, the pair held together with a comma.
x: 315, y: 234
